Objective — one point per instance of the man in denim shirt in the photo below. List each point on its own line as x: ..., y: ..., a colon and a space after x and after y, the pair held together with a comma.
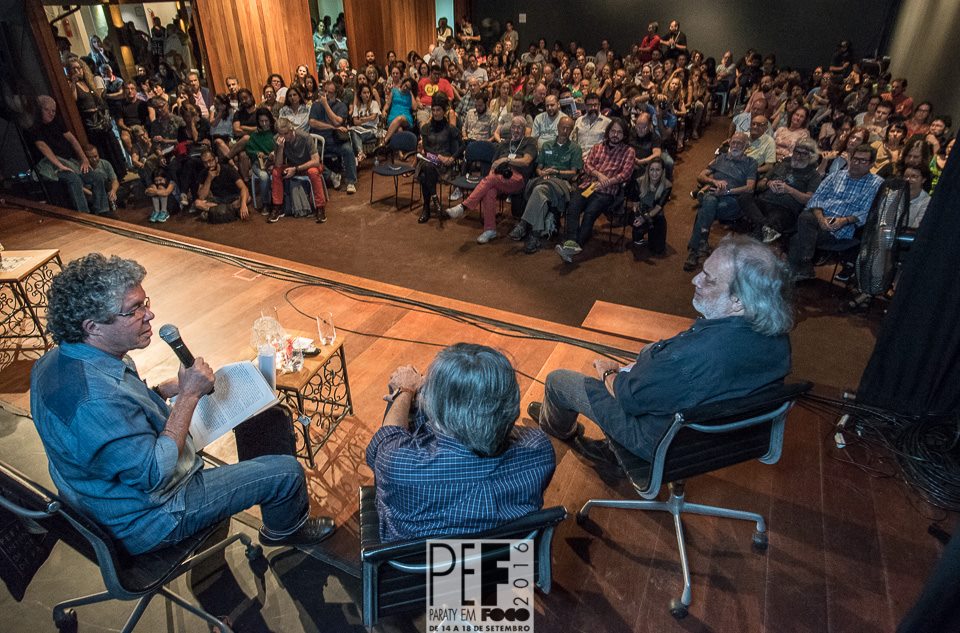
x: 739, y: 347
x: 116, y: 451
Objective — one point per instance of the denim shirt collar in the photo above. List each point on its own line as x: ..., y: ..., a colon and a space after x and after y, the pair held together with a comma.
x: 99, y: 359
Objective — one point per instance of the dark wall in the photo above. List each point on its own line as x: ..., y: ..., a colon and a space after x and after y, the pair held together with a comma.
x: 802, y: 33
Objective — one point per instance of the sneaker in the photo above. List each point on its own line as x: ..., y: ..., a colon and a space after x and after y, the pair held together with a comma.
x: 518, y: 232
x: 321, y: 215
x: 845, y: 274
x: 532, y: 245
x: 351, y: 188
x: 265, y: 210
x: 770, y: 235
x: 335, y: 179
x: 457, y: 212
x: 565, y: 253
x: 572, y: 246
x: 456, y: 194
x: 275, y: 215
x: 486, y: 236
x: 163, y: 216
x: 153, y: 216
x: 184, y: 200
x: 691, y: 261
x: 313, y: 531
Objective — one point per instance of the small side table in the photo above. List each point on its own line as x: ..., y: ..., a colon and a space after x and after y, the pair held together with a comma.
x: 25, y: 278
x: 319, y: 394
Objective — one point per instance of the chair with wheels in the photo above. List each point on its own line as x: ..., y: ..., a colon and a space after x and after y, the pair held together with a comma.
x: 394, y: 574
x: 701, y: 440
x: 125, y: 576
x: 402, y: 142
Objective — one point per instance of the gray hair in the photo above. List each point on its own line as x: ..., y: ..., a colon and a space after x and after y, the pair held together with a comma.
x: 761, y: 281
x: 92, y: 287
x: 471, y: 394
x: 810, y: 145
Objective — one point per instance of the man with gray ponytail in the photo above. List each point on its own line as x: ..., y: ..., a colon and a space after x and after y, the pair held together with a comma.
x: 738, y: 347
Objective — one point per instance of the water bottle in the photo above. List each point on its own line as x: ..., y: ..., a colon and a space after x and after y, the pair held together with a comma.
x: 267, y: 364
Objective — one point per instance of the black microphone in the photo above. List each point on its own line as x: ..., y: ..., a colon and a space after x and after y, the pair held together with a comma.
x: 171, y: 335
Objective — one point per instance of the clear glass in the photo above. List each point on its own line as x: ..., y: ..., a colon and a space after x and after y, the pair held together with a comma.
x: 326, y: 332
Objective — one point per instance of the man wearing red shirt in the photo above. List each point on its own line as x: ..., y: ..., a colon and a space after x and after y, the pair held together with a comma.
x: 649, y: 43
x: 429, y: 86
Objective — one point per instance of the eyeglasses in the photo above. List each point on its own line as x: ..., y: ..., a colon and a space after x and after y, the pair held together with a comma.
x: 138, y: 310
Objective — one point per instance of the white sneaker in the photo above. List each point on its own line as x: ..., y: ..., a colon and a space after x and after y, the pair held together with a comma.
x: 335, y: 179
x: 486, y: 236
x: 456, y: 194
x: 458, y: 212
x: 351, y: 188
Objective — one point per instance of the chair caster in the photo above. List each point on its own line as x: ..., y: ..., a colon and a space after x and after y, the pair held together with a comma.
x: 760, y: 541
x: 65, y: 620
x: 253, y: 552
x: 677, y: 609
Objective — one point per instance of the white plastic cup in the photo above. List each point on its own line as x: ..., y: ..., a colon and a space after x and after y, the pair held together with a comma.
x: 267, y: 363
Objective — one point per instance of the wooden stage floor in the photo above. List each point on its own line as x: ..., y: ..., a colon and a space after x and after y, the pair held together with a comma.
x: 848, y: 551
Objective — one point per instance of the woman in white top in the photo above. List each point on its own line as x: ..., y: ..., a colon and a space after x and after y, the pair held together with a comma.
x: 366, y: 119
x: 296, y: 109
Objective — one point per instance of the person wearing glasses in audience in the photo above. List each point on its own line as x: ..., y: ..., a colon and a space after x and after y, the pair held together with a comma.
x: 122, y: 455
x: 840, y: 203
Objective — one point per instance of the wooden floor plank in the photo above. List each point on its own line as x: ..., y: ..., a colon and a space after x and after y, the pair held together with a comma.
x: 635, y: 323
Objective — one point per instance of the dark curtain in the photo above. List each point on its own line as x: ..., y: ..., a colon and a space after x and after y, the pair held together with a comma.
x: 915, y: 366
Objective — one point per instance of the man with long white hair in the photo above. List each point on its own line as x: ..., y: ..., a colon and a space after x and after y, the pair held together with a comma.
x: 739, y: 346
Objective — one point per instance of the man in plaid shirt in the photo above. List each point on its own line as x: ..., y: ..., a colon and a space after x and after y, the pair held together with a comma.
x: 841, y: 202
x: 608, y: 165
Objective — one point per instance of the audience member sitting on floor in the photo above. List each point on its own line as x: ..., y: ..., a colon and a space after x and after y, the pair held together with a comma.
x: 723, y: 180
x: 783, y: 193
x: 439, y: 146
x: 120, y: 454
x: 649, y: 219
x: 513, y: 162
x: 223, y: 196
x: 608, y: 165
x: 105, y: 170
x: 328, y: 118
x: 558, y: 164
x: 60, y: 159
x: 296, y: 155
x: 449, y: 458
x: 162, y: 199
x: 739, y: 347
x: 841, y: 202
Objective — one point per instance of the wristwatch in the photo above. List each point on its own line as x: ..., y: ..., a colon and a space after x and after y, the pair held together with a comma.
x: 607, y: 373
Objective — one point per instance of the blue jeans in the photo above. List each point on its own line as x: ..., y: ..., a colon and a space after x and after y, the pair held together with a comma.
x: 349, y: 160
x: 712, y: 208
x: 565, y: 397
x: 73, y: 183
x: 274, y: 482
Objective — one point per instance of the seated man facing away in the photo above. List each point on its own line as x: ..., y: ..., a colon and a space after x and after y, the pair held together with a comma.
x: 296, y: 154
x: 841, y: 202
x: 558, y: 164
x: 448, y: 459
x: 739, y: 347
x: 513, y: 162
x: 61, y: 159
x: 783, y: 193
x: 725, y: 178
x: 119, y: 453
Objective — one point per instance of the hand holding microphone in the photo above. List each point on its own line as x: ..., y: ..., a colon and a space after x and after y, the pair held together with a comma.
x: 196, y: 376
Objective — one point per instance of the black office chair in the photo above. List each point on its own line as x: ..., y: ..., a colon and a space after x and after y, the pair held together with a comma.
x: 402, y: 142
x: 701, y: 440
x: 476, y: 163
x: 394, y: 574
x: 126, y: 577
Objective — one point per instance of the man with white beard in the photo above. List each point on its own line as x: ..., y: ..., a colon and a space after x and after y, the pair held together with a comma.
x: 739, y: 347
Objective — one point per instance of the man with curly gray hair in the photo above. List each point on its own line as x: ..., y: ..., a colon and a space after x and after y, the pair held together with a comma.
x: 119, y: 453
x: 739, y: 346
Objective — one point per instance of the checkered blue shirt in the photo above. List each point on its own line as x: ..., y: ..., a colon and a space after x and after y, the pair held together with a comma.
x: 432, y: 485
x: 839, y: 195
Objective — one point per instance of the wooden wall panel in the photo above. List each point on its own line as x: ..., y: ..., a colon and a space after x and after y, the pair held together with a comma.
x: 383, y: 25
x: 252, y: 38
